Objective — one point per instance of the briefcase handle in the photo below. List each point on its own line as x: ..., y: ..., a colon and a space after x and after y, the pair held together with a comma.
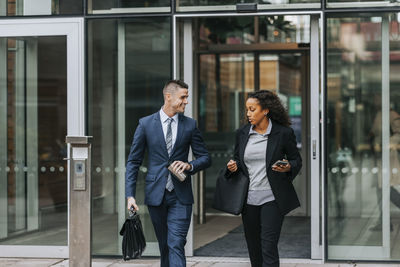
x: 132, y: 212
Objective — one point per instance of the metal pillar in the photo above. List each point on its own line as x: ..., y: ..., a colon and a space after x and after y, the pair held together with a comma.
x: 386, y: 168
x: 3, y: 139
x: 80, y: 219
x: 32, y: 138
x: 314, y: 155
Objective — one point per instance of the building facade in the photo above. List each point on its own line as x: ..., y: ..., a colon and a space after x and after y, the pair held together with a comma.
x: 94, y: 67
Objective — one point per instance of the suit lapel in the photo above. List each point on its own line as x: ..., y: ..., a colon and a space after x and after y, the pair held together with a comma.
x: 181, y: 127
x: 159, y: 132
x: 244, y: 138
x: 272, y: 142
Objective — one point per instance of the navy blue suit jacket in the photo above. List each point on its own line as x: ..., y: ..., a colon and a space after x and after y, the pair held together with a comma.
x: 149, y: 135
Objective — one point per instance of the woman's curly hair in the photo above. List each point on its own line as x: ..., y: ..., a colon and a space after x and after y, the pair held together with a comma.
x: 271, y: 101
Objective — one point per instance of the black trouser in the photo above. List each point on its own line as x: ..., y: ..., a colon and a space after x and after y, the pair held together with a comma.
x: 262, y: 228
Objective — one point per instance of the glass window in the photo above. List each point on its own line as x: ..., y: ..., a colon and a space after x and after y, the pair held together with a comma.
x: 226, y: 5
x: 363, y: 137
x: 360, y: 3
x: 129, y: 62
x: 33, y: 119
x: 224, y: 83
x: 235, y: 58
x: 127, y: 6
x: 40, y: 8
x: 225, y: 30
x: 274, y: 32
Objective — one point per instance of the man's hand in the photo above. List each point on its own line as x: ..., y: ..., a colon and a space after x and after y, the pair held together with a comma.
x: 132, y: 202
x: 180, y: 166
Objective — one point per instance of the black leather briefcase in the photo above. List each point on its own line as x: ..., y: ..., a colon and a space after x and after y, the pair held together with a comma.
x: 133, y: 242
x: 231, y: 192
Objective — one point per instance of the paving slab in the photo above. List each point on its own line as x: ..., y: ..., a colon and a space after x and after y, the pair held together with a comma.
x: 28, y: 262
x: 62, y: 263
x: 191, y: 262
x: 368, y: 265
x: 136, y: 263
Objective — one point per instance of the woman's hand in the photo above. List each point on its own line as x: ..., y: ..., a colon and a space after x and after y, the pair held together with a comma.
x: 281, y: 168
x: 232, y: 166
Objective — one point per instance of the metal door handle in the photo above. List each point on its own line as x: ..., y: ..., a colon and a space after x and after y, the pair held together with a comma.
x: 314, y: 149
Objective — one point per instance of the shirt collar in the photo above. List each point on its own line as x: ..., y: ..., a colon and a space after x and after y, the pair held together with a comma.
x: 164, y: 117
x: 269, y: 128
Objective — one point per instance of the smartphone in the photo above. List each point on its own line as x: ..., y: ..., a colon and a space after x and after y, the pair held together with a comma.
x: 281, y: 163
x: 181, y: 176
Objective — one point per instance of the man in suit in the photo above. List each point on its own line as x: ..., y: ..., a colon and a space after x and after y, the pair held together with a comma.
x: 167, y: 135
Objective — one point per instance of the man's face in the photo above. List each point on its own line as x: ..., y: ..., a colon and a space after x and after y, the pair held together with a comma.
x: 179, y: 99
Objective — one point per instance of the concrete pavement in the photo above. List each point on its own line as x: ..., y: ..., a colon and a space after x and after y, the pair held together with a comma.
x: 191, y: 262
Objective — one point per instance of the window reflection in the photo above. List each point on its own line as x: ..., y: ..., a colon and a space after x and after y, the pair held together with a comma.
x: 126, y: 77
x: 128, y: 6
x: 40, y: 8
x: 241, y: 30
x: 354, y: 79
x: 224, y: 82
x: 193, y: 5
x: 362, y: 121
x: 33, y: 110
x: 359, y: 3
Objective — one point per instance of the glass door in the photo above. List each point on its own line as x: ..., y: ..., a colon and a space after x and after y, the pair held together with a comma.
x: 278, y: 53
x: 363, y: 137
x: 41, y: 101
x: 133, y: 97
x: 288, y: 64
x: 287, y: 75
x: 225, y: 80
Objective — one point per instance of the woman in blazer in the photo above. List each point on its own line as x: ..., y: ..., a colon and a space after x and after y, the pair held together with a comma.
x: 266, y: 152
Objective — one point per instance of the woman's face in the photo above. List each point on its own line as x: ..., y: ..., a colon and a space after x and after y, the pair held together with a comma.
x: 254, y: 111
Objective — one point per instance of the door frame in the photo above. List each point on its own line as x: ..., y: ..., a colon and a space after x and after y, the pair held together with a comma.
x: 73, y: 29
x: 315, y: 160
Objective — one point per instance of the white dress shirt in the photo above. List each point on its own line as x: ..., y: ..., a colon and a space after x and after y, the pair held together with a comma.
x: 174, y: 125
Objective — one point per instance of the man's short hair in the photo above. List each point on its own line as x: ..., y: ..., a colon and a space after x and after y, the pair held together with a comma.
x: 173, y: 85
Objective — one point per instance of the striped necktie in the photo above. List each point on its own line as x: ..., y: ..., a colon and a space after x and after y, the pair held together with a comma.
x: 168, y: 141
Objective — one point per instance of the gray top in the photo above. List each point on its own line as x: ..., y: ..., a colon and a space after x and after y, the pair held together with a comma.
x: 255, y: 154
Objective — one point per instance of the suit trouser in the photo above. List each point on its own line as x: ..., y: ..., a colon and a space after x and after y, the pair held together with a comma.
x: 171, y: 221
x: 262, y: 228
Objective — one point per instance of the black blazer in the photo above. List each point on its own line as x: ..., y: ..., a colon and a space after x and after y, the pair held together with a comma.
x: 281, y: 144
